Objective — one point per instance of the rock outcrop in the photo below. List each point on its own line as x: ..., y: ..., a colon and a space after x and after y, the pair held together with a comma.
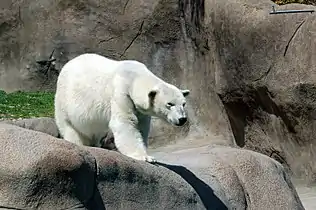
x: 157, y: 33
x: 39, y: 171
x: 266, y: 79
x: 250, y: 73
x: 43, y: 124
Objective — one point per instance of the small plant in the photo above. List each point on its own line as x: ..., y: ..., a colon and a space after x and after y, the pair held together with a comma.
x: 282, y: 2
x: 26, y: 104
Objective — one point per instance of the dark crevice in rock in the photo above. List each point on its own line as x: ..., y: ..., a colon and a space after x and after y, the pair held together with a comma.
x: 241, y: 106
x: 278, y: 156
x: 238, y: 107
x: 265, y: 100
x: 47, y: 68
x: 193, y: 14
x: 9, y: 207
x: 292, y: 37
x: 108, y: 39
x: 125, y: 6
x: 20, y: 16
x: 265, y: 74
x: 96, y: 201
x: 237, y: 112
x: 247, y: 199
x: 196, y: 10
x: 133, y: 40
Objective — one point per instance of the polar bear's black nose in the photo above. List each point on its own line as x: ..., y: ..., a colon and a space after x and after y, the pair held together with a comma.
x: 182, y: 120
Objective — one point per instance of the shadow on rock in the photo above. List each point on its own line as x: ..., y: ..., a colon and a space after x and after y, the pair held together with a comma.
x: 96, y: 202
x: 206, y: 193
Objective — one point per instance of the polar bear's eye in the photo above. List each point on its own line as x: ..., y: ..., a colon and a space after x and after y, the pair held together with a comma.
x: 170, y: 104
x: 183, y: 104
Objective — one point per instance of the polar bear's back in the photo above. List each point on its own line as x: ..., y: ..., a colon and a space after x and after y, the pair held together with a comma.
x: 86, y: 77
x: 92, y: 75
x: 90, y: 66
x: 83, y: 91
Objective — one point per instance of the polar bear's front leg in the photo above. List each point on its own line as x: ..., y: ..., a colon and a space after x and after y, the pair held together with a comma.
x: 144, y: 128
x: 127, y: 136
x: 128, y: 140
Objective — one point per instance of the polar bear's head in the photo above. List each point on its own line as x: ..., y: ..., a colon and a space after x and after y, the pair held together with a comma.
x: 167, y: 102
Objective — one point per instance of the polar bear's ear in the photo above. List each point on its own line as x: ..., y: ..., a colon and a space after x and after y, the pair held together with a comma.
x: 185, y: 92
x: 152, y: 94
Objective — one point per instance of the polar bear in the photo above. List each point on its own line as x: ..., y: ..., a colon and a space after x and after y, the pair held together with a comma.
x: 95, y: 94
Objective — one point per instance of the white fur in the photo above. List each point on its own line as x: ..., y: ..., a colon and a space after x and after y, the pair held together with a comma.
x: 95, y: 94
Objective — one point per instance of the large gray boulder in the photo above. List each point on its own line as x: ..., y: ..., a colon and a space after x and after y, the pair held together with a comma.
x: 265, y: 66
x: 43, y: 124
x: 39, y: 171
x: 250, y: 180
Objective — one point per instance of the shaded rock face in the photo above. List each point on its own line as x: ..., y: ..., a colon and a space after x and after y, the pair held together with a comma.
x: 165, y: 35
x: 266, y: 79
x: 241, y: 174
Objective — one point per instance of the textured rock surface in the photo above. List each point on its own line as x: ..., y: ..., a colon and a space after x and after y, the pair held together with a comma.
x: 42, y: 124
x: 266, y: 79
x: 128, y: 184
x: 154, y: 32
x: 43, y: 172
x: 260, y: 65
x: 39, y: 171
x: 249, y: 179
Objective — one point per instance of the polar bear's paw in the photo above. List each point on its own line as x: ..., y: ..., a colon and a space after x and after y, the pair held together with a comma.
x: 150, y: 159
x: 146, y: 158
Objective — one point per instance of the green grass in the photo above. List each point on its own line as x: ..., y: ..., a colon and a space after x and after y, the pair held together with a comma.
x: 281, y: 2
x: 26, y: 104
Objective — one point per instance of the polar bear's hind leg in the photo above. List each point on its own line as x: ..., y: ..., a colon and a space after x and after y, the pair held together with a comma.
x: 71, y: 135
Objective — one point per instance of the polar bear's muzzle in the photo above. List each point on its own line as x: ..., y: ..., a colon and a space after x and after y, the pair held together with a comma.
x: 178, y: 122
x: 177, y: 116
x: 182, y: 121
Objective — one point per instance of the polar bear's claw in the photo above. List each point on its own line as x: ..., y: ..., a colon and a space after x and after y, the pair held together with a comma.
x: 150, y: 159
